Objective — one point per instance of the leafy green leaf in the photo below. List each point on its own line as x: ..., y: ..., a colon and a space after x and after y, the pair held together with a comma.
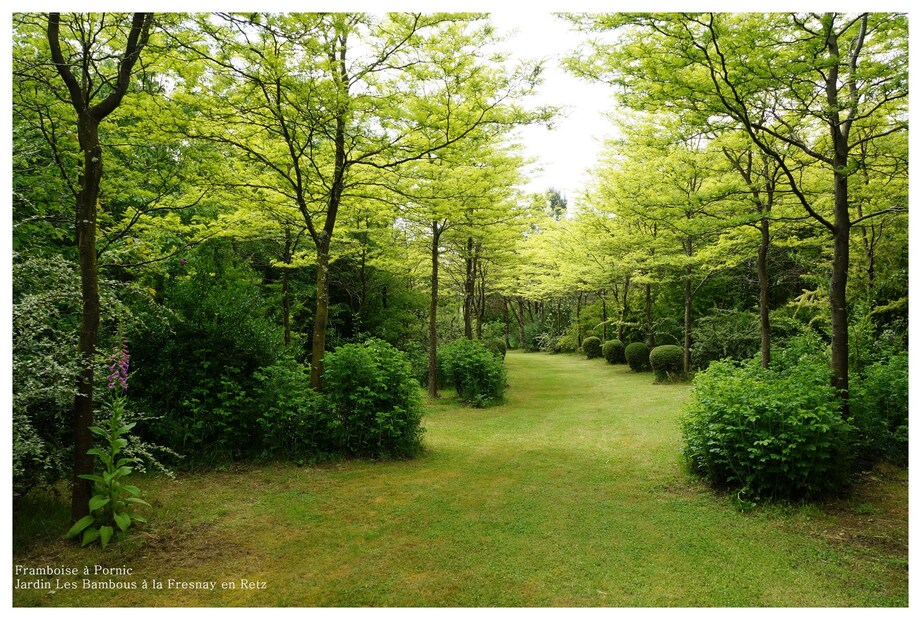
x: 105, y: 535
x: 122, y: 520
x: 79, y: 526
x: 98, y: 501
x: 89, y: 535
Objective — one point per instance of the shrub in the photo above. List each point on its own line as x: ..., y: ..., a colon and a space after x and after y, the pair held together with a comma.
x: 295, y: 421
x: 878, y: 406
x: 668, y: 362
x: 772, y: 433
x: 476, y: 374
x: 374, y: 399
x: 614, y: 352
x: 196, y: 370
x: 637, y: 356
x: 496, y: 346
x: 725, y: 334
x: 591, y: 346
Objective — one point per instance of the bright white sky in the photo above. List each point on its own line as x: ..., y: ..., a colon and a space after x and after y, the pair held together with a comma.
x: 566, y: 152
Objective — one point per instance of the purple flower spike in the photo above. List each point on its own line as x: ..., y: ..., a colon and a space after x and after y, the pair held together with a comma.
x: 118, y: 368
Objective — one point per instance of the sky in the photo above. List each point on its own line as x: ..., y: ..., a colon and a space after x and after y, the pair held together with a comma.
x: 566, y: 152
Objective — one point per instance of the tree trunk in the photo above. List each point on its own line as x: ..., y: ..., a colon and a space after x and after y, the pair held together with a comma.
x: 578, y: 320
x: 469, y: 284
x: 88, y: 196
x: 433, y: 314
x: 688, y: 318
x: 840, y: 270
x: 322, y: 315
x: 624, y: 309
x: 285, y: 289
x: 649, y: 329
x: 507, y: 321
x: 481, y: 297
x: 764, y: 283
x: 520, y: 319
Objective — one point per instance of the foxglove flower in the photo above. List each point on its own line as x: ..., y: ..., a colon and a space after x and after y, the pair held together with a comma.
x: 118, y: 367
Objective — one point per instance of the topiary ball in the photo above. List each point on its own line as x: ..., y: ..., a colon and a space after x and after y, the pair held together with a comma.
x: 614, y: 352
x: 668, y: 362
x: 637, y: 356
x: 591, y: 347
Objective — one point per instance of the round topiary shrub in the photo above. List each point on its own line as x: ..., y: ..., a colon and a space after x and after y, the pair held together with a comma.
x: 637, y: 356
x: 667, y: 361
x: 614, y: 352
x: 771, y: 433
x: 476, y: 374
x: 591, y: 347
x: 375, y: 400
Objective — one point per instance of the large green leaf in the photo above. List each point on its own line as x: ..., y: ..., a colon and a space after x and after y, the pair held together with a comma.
x: 79, y: 526
x: 89, y: 535
x: 122, y: 520
x: 105, y: 535
x: 98, y: 501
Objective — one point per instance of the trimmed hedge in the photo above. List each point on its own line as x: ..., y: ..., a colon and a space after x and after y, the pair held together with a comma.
x: 637, y: 356
x: 614, y: 352
x: 591, y: 347
x: 667, y: 361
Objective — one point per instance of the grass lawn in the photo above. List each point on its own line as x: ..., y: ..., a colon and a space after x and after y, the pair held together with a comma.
x: 570, y: 494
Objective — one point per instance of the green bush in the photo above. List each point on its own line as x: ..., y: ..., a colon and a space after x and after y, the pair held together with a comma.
x: 637, y: 356
x: 725, y: 334
x: 476, y: 374
x: 295, y: 421
x: 667, y: 361
x: 771, y: 433
x: 196, y: 371
x: 614, y: 352
x: 591, y: 347
x: 496, y: 346
x: 375, y: 400
x: 878, y: 406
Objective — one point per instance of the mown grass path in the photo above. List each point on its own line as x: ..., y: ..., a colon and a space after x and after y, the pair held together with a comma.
x: 570, y: 494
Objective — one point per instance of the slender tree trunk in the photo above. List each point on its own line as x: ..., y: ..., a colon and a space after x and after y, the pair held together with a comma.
x: 520, y: 319
x: 481, y: 297
x: 624, y: 309
x: 88, y: 196
x: 649, y: 325
x: 322, y: 315
x: 433, y: 314
x: 763, y: 280
x: 688, y: 318
x: 323, y: 238
x: 285, y: 289
x: 838, y: 287
x: 578, y: 319
x: 469, y: 285
x: 507, y: 321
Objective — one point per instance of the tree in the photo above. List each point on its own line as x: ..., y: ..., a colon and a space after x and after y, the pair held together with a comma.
x: 321, y: 120
x: 821, y: 85
x: 94, y: 59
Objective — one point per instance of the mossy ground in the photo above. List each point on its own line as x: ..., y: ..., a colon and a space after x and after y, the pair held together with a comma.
x: 571, y: 493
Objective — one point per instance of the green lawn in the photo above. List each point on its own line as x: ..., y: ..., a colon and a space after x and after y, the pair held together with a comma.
x: 570, y: 494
